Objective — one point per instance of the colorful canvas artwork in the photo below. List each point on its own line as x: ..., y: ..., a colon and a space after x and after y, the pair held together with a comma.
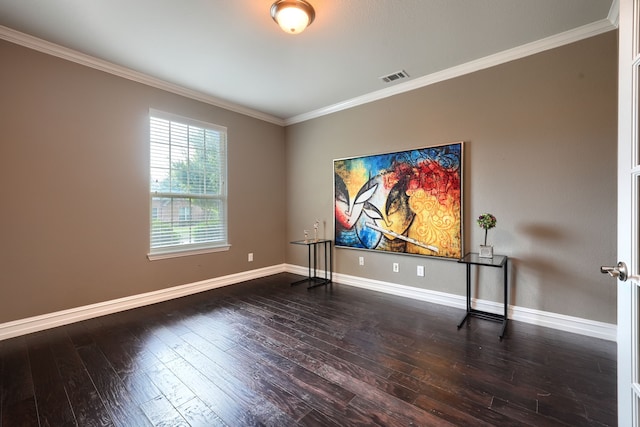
x: 404, y: 202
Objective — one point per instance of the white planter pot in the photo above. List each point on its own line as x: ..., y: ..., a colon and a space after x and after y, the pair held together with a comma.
x: 486, y: 251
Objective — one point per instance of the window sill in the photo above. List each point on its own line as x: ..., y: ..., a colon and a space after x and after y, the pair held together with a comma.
x: 177, y: 253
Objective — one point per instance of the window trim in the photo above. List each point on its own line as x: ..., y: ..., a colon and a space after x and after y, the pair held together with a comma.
x: 175, y: 251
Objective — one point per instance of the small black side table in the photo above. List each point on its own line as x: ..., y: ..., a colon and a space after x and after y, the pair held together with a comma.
x: 498, y: 261
x: 313, y: 279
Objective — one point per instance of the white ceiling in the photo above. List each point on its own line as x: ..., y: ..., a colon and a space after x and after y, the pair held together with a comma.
x: 231, y: 53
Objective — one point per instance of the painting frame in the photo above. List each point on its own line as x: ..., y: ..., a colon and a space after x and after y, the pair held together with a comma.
x: 403, y: 202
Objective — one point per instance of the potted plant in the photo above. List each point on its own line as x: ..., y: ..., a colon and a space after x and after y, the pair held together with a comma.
x: 486, y: 221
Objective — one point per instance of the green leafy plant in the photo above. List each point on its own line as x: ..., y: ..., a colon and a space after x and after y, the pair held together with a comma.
x: 486, y: 221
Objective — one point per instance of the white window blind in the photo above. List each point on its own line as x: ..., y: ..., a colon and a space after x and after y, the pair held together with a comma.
x: 188, y: 185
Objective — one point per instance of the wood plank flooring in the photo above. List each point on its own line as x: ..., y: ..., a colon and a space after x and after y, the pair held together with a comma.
x: 265, y: 353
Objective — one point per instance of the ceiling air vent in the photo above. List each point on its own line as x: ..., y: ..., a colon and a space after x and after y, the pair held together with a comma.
x: 398, y: 75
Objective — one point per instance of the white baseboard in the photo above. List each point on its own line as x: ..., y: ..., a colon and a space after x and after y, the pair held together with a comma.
x: 577, y: 325
x: 51, y: 320
x: 562, y: 322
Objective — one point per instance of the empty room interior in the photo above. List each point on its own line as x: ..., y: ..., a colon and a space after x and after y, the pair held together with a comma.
x: 395, y: 214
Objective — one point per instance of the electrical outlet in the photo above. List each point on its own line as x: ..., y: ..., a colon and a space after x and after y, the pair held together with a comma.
x: 396, y: 267
x: 420, y: 271
x: 361, y: 260
x: 250, y: 257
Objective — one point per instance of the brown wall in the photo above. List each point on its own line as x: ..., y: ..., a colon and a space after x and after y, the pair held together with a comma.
x: 540, y: 154
x: 74, y: 222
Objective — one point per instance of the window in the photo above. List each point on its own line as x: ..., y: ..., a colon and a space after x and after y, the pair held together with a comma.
x: 188, y: 186
x: 185, y: 213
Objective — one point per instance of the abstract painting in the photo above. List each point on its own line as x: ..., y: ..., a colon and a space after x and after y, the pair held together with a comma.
x: 404, y: 202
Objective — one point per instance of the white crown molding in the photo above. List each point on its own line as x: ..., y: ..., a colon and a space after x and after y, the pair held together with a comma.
x: 614, y: 13
x: 51, y: 320
x: 557, y: 321
x: 519, y: 52
x: 586, y: 31
x: 53, y: 49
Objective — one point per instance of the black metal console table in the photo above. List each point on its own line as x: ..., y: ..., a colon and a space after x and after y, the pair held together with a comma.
x: 498, y: 261
x: 313, y: 279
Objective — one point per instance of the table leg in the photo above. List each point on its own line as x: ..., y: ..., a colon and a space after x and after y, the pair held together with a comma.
x: 464, y: 319
x: 331, y: 262
x: 506, y: 287
x: 309, y: 261
x: 506, y: 299
x: 466, y: 316
x: 315, y: 260
x: 468, y: 288
x: 326, y: 260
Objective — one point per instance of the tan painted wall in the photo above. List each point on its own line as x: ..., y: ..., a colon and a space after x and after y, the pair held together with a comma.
x: 74, y: 218
x: 540, y: 150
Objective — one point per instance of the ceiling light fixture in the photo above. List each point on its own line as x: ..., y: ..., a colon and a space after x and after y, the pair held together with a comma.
x: 293, y: 16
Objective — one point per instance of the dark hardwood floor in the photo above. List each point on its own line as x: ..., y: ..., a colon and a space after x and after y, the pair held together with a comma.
x: 265, y: 353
